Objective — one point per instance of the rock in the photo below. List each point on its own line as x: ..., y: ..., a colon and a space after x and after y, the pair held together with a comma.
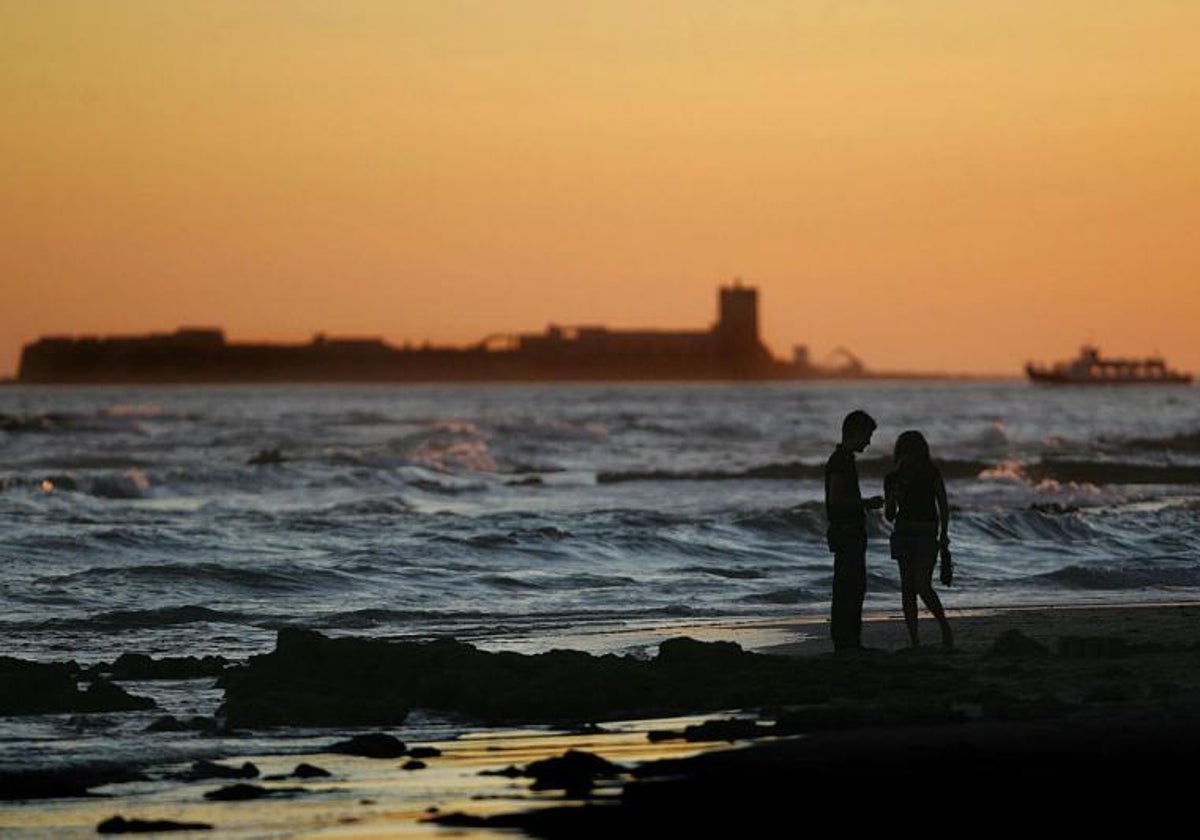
x: 310, y: 771
x: 312, y: 680
x: 413, y: 764
x: 302, y: 771
x: 71, y: 781
x: 237, y: 793
x: 266, y: 457
x: 120, y: 825
x: 170, y: 723
x: 30, y: 688
x: 574, y: 772
x: 726, y: 730
x: 424, y: 752
x: 512, y: 771
x: 684, y: 649
x: 139, y: 666
x: 1015, y: 643
x: 375, y: 745
x: 211, y: 770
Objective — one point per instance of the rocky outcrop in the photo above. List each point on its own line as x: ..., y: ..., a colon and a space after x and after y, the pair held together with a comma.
x: 32, y: 688
x: 310, y: 679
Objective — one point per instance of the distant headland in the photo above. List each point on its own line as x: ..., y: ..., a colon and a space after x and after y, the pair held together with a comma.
x: 729, y: 350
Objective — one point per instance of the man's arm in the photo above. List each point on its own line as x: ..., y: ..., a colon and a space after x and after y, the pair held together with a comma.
x: 841, y: 500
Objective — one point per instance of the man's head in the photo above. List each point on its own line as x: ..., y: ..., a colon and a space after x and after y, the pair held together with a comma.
x: 857, y: 429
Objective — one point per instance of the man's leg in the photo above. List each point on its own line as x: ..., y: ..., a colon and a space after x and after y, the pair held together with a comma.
x: 849, y: 587
x: 859, y: 565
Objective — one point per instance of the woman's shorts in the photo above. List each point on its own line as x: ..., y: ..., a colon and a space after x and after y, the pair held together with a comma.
x: 915, y: 541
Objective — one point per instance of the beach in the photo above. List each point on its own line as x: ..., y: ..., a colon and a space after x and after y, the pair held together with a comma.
x: 1032, y: 698
x: 517, y: 566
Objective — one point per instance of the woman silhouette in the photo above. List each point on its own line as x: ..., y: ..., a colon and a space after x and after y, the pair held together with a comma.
x: 915, y: 499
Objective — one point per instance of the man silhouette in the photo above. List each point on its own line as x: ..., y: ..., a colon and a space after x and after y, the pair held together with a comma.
x: 845, y: 509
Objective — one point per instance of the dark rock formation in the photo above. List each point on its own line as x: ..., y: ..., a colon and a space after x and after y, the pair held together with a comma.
x: 512, y: 771
x: 266, y: 457
x: 120, y: 825
x: 237, y: 793
x: 63, y: 782
x: 310, y: 771
x: 413, y: 764
x: 198, y: 723
x: 375, y: 745
x: 574, y: 772
x: 726, y: 730
x: 30, y: 688
x: 139, y: 666
x: 203, y: 769
x: 313, y: 680
x: 423, y: 752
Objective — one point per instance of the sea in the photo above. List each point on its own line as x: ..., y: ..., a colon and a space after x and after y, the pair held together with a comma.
x: 199, y: 520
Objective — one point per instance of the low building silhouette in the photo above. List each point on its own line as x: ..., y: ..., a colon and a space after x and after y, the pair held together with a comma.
x: 730, y: 349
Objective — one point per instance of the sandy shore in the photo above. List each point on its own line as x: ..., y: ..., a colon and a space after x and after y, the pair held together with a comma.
x: 1030, y: 698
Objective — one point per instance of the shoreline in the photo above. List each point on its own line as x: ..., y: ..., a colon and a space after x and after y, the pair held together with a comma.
x: 1091, y: 681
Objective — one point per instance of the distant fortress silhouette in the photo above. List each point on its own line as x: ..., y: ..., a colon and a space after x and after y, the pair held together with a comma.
x: 730, y: 349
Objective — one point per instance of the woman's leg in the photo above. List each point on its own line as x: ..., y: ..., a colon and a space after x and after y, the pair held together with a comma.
x: 908, y: 600
x: 932, y: 602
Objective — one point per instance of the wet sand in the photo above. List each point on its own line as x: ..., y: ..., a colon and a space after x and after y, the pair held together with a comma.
x: 1030, y: 700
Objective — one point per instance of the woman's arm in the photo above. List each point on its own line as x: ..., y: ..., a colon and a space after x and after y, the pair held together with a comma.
x: 943, y: 504
x: 889, y: 496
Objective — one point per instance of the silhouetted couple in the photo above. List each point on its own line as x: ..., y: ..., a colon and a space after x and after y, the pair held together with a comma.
x: 915, y: 500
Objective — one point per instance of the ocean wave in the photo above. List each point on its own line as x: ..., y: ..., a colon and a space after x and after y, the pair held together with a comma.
x: 808, y: 518
x: 237, y: 576
x: 1029, y: 524
x: 376, y: 506
x: 784, y: 471
x: 114, y: 419
x: 365, y: 418
x: 729, y: 573
x: 1100, y: 472
x: 1181, y: 442
x: 1095, y: 473
x: 784, y: 597
x: 147, y: 411
x: 446, y: 488
x: 130, y: 483
x: 1047, y: 469
x: 542, y: 429
x: 1129, y: 575
x: 157, y: 617
x: 558, y: 582
x: 425, y: 620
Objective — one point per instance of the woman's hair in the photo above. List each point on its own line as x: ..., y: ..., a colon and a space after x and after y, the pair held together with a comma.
x: 911, y: 448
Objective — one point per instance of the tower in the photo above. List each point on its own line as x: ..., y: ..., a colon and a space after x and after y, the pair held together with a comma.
x: 737, y: 321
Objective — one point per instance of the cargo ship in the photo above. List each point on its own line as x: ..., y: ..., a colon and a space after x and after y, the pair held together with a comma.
x: 1090, y: 368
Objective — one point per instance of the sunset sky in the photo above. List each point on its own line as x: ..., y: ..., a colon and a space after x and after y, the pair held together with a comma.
x: 935, y: 184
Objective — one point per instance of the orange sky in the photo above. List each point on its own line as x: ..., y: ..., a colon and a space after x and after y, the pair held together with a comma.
x: 935, y: 184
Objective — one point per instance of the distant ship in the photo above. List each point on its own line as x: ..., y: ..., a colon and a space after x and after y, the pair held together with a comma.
x: 1090, y: 368
x: 730, y: 349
